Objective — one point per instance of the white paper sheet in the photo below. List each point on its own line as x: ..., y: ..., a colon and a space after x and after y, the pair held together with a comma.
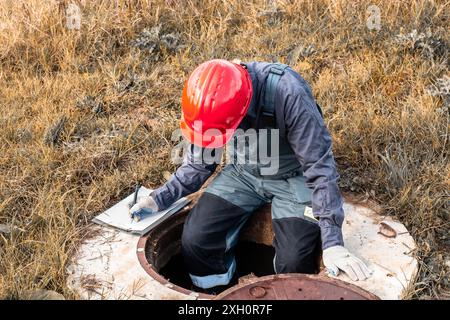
x: 117, y: 216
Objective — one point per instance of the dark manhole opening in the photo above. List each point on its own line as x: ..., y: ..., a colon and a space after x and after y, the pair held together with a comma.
x: 254, y: 253
x: 251, y: 258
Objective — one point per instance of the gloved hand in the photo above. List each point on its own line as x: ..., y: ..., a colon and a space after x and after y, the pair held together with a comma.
x: 339, y: 258
x: 143, y: 203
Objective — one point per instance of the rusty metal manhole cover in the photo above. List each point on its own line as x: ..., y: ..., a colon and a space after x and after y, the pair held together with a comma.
x: 295, y: 287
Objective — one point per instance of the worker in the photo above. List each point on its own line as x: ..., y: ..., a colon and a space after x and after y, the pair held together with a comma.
x: 221, y: 99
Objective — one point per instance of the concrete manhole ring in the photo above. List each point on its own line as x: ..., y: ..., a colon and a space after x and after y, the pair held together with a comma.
x: 112, y: 264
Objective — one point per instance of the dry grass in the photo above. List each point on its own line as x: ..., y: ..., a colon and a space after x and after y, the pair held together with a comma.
x: 85, y: 113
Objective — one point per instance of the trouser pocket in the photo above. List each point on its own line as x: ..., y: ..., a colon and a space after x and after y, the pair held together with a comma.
x: 301, y: 193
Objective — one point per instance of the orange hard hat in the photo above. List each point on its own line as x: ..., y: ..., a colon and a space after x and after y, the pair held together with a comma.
x: 215, y: 99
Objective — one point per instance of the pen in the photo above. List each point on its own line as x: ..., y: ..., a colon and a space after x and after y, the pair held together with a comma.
x: 136, y: 191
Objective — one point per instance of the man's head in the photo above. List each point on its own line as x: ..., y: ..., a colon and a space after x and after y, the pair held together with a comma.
x: 215, y: 99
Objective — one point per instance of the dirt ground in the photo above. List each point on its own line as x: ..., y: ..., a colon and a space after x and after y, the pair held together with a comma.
x: 90, y: 95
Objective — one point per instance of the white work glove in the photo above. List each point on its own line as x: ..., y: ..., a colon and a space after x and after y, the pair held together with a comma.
x: 339, y: 258
x: 146, y: 203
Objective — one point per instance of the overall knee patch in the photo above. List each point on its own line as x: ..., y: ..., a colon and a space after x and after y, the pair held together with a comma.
x: 297, y: 245
x: 210, y: 232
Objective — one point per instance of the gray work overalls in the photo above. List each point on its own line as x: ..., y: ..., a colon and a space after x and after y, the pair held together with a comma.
x: 212, y: 227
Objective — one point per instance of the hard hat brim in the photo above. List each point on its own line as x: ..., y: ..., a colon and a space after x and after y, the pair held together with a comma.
x: 210, y: 141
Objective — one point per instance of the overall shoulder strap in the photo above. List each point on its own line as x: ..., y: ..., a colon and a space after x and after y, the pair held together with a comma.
x: 275, y: 73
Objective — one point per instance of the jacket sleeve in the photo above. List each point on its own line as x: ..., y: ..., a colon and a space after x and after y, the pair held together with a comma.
x: 311, y: 142
x: 187, y: 179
